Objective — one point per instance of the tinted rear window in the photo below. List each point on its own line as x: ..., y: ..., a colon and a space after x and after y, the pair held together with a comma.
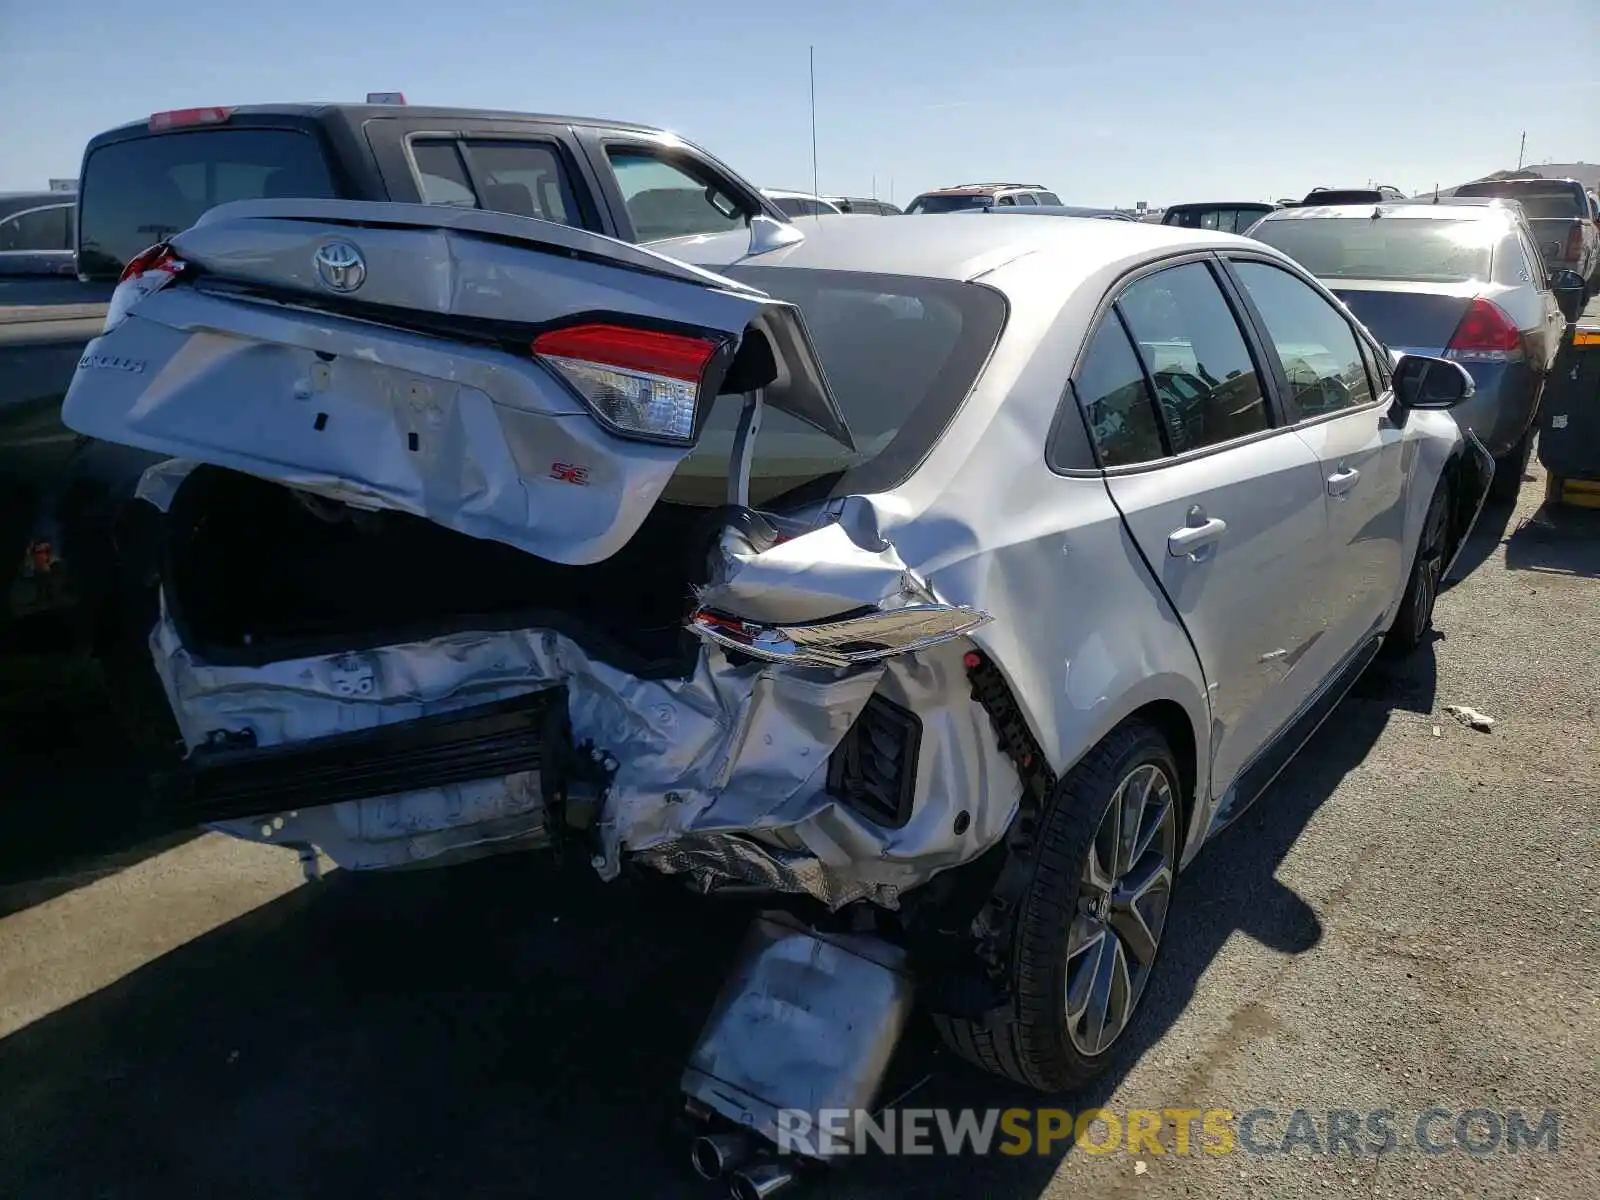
x: 945, y: 204
x: 1538, y: 199
x: 900, y: 353
x: 137, y: 192
x: 1426, y: 251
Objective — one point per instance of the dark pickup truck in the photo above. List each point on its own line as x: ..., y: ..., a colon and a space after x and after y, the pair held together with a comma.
x: 77, y: 583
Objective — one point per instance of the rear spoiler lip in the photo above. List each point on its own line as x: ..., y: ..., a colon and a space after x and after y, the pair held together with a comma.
x: 547, y: 235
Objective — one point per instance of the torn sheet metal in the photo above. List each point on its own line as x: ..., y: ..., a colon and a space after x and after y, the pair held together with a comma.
x: 721, y: 775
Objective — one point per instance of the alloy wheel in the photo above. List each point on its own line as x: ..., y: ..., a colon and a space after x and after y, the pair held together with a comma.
x: 1124, y: 893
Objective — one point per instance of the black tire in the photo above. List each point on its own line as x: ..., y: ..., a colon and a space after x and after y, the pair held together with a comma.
x: 1509, y: 469
x: 1028, y: 1040
x: 1415, y: 618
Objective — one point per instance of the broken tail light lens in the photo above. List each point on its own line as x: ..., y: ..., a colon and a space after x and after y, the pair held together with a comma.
x: 145, y: 274
x: 841, y: 643
x: 640, y: 382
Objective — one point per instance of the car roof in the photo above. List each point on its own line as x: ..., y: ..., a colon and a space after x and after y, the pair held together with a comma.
x: 1406, y: 210
x: 362, y: 112
x: 1222, y: 204
x: 791, y: 194
x: 953, y: 245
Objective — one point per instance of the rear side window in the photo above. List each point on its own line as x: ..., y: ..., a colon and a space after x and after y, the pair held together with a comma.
x: 1116, y: 401
x: 47, y: 228
x: 1205, y: 379
x: 1313, y: 341
x: 1024, y: 198
x: 524, y: 179
x: 138, y: 192
x: 442, y: 175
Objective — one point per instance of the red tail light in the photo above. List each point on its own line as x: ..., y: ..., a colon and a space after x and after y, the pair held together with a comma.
x: 146, y: 273
x: 177, y: 118
x: 638, y: 381
x: 1484, y: 333
x: 1574, y: 250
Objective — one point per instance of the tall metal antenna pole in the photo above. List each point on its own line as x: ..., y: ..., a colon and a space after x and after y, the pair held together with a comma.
x: 1522, y: 149
x: 814, y: 191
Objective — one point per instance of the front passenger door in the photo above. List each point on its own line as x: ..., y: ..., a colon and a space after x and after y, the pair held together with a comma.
x: 1226, y: 508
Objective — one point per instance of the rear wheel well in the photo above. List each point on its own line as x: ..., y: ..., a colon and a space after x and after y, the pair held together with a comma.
x: 1170, y: 719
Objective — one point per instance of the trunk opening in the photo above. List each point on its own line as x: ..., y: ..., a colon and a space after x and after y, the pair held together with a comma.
x: 254, y: 575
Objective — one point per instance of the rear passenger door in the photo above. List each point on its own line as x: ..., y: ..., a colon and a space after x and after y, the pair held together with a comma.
x: 1335, y: 392
x: 1225, y: 504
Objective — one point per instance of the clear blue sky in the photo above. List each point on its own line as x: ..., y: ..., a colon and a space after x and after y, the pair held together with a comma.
x: 1107, y: 103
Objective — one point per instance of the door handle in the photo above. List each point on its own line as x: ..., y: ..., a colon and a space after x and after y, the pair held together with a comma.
x: 1195, y: 537
x: 1342, y: 481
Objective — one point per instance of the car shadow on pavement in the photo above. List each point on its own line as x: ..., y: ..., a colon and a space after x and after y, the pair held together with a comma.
x: 508, y: 1028
x: 1485, y: 537
x: 1557, y: 540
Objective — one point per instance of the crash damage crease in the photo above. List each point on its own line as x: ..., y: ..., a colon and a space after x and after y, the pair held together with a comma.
x: 721, y: 776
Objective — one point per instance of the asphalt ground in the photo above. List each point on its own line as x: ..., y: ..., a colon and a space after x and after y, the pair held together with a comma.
x: 1407, y: 922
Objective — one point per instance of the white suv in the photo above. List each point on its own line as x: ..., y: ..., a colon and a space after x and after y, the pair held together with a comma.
x: 981, y: 195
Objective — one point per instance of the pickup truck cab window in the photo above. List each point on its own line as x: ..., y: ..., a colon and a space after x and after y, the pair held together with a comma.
x: 523, y: 178
x: 1319, y: 351
x: 665, y: 201
x: 441, y: 175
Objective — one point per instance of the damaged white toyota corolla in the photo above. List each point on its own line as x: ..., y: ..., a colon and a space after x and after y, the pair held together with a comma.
x: 953, y: 580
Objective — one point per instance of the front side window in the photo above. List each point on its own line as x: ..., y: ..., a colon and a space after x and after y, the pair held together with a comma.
x: 666, y: 201
x: 1115, y: 399
x: 1206, y: 382
x: 1312, y: 339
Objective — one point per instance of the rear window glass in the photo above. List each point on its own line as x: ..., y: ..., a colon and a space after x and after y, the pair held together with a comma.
x: 138, y: 192
x: 1537, y: 200
x: 900, y: 353
x: 1426, y: 251
x: 945, y: 204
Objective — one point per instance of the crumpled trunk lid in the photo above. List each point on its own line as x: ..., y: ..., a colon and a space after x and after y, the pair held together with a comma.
x: 379, y: 355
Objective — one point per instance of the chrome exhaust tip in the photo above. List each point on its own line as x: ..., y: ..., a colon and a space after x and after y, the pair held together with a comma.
x: 760, y: 1181
x: 713, y: 1155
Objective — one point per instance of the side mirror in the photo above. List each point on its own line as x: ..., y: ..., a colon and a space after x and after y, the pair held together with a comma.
x: 1423, y: 382
x: 1568, y: 287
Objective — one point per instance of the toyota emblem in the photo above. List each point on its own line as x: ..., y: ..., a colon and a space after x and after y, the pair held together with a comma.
x: 340, y: 267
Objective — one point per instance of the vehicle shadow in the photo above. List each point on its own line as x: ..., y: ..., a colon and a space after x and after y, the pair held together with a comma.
x: 505, y: 1028
x: 75, y: 804
x: 1485, y: 538
x: 1558, y: 540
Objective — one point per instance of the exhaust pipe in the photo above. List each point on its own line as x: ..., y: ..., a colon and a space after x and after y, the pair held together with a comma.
x: 713, y: 1155
x: 760, y: 1181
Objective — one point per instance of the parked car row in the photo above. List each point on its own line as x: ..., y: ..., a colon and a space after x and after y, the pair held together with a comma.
x: 544, y: 486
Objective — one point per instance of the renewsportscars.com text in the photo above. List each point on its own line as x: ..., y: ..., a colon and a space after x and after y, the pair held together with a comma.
x: 1177, y: 1131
